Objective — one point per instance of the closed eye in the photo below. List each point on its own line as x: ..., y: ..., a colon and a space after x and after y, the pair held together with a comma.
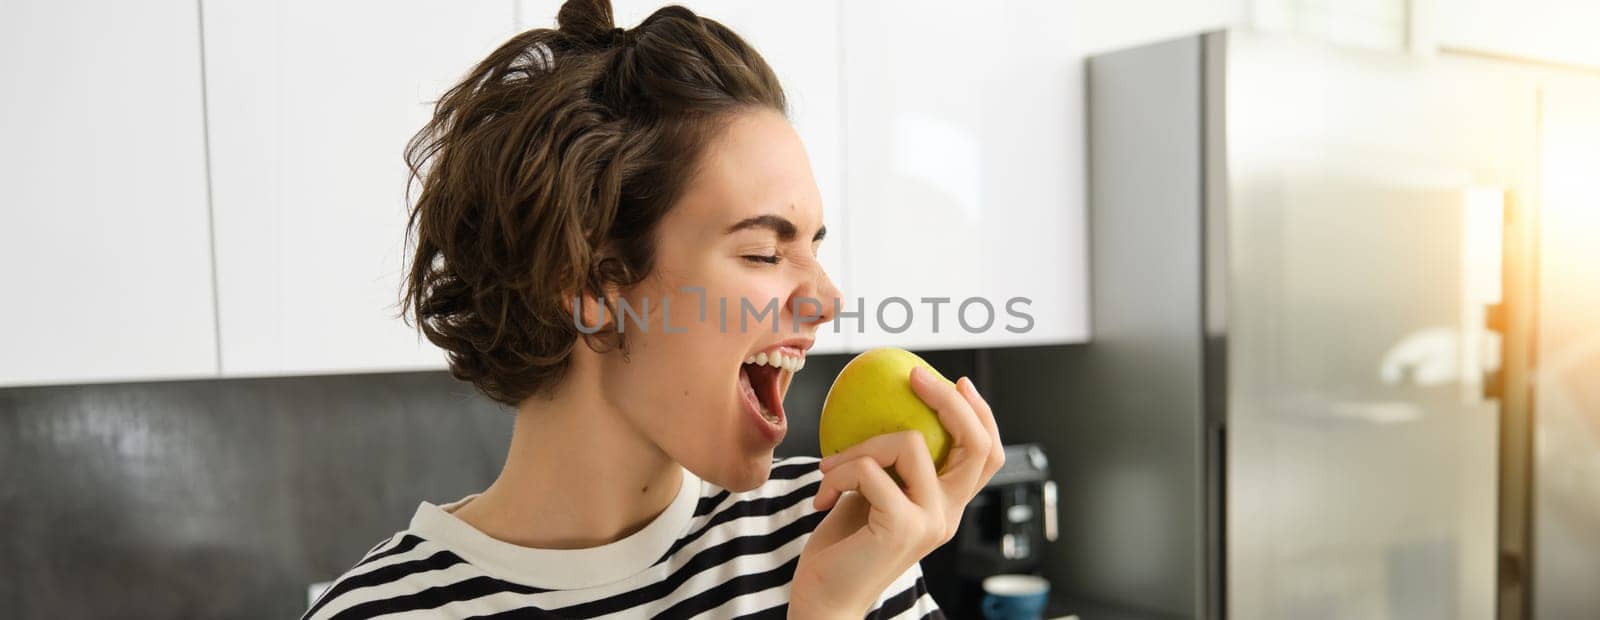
x: 759, y: 258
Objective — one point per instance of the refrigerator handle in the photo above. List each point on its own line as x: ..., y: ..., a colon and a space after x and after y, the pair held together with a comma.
x: 1494, y: 381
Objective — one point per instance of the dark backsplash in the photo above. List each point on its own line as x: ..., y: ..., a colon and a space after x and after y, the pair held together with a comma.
x: 227, y: 498
x: 222, y: 498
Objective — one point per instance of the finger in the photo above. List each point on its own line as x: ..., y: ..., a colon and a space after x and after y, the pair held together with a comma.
x: 864, y: 476
x: 906, y: 452
x: 997, y: 453
x: 971, y: 442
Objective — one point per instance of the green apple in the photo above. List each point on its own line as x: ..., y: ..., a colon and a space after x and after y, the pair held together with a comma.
x: 872, y: 396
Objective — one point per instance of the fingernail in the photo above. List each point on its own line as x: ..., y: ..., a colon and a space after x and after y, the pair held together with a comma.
x: 828, y: 460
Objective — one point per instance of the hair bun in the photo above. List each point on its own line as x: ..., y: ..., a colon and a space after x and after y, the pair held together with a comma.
x: 589, y: 21
x: 618, y: 37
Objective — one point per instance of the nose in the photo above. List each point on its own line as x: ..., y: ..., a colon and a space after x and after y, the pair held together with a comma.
x: 816, y: 300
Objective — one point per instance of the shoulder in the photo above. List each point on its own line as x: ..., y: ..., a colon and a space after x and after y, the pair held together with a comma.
x: 383, y: 564
x: 388, y: 579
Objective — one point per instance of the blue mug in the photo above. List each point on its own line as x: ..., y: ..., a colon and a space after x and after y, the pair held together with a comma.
x: 1015, y: 597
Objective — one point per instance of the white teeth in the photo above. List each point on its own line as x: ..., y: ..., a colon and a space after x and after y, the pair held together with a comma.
x: 777, y: 360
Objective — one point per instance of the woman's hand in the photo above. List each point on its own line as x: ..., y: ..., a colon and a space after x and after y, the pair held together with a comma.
x: 876, y: 533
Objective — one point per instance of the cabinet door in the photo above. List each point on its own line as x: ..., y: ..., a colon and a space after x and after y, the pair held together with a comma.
x: 963, y: 160
x: 800, y: 41
x: 311, y: 105
x: 104, y: 232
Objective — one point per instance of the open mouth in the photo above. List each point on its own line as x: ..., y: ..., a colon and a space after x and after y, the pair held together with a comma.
x: 761, y: 384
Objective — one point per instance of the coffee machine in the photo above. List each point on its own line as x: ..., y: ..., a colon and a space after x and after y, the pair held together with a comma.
x: 1003, y: 530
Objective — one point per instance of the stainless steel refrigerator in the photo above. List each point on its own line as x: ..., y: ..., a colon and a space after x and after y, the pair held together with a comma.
x: 1307, y: 390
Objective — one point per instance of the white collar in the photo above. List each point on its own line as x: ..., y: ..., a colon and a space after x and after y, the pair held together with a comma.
x: 560, y: 569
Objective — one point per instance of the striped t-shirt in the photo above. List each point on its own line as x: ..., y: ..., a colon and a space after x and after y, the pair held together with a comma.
x: 711, y: 554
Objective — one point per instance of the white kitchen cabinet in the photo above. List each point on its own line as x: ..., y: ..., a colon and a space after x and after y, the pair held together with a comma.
x: 800, y: 41
x: 1559, y: 31
x: 964, y: 169
x: 103, y: 223
x: 311, y: 105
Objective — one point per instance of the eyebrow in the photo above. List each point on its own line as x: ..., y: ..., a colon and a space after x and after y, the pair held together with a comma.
x: 782, y: 226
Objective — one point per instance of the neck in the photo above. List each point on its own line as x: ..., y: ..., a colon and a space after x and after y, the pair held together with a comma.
x: 578, y: 475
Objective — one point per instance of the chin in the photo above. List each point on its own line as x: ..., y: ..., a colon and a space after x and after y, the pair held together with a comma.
x: 749, y: 474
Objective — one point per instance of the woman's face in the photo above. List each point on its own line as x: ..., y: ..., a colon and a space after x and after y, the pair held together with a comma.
x: 744, y: 237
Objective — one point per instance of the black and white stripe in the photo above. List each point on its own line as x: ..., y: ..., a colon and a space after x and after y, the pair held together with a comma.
x: 735, y: 559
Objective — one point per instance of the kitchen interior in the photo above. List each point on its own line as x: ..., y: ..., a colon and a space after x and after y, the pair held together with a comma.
x: 1311, y: 287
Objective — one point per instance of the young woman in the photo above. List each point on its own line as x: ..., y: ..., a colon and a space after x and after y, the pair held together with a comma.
x: 590, y: 198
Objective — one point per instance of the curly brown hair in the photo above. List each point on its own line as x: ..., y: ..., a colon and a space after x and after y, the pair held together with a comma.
x: 544, y: 173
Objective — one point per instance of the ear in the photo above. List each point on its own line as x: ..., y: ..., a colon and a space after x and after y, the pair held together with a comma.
x: 591, y: 314
x: 591, y: 309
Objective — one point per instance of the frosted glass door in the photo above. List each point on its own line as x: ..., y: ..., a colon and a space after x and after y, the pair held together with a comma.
x: 1365, y: 218
x: 1567, y: 383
